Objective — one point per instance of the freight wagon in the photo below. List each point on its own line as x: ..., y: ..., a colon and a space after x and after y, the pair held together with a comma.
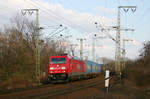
x: 67, y: 68
x: 92, y: 69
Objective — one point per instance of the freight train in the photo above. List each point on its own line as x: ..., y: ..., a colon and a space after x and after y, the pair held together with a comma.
x: 67, y: 68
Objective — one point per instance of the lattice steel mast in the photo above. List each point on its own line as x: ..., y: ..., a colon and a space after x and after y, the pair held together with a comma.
x: 118, y: 38
x: 37, y: 54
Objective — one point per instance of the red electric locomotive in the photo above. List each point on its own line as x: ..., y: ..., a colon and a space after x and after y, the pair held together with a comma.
x: 65, y: 68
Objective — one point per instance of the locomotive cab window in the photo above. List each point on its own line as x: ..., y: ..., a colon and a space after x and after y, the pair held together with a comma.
x: 58, y: 60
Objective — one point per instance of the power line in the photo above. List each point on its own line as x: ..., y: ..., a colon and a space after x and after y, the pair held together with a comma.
x: 71, y: 6
x: 139, y: 23
x: 141, y: 15
x: 60, y: 18
x: 43, y: 11
x: 58, y: 32
x: 53, y: 32
x: 68, y: 20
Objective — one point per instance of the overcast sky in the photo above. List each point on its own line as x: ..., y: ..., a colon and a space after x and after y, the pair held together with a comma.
x: 79, y: 17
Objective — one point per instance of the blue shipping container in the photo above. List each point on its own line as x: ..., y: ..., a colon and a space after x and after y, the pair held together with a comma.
x: 92, y: 67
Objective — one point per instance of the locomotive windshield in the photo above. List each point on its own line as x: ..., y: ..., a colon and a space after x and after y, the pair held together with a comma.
x: 58, y: 60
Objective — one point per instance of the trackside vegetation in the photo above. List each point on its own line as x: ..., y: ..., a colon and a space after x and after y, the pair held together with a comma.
x: 17, y: 53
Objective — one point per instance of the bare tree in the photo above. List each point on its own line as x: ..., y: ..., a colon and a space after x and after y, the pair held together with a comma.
x: 17, y: 49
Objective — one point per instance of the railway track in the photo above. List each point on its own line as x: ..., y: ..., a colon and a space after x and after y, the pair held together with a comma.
x: 64, y: 91
x: 51, y: 91
x: 67, y: 90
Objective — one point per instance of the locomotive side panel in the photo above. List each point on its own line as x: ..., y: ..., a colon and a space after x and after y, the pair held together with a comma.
x: 77, y: 69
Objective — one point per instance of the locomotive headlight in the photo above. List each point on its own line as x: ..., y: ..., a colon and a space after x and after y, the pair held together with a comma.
x: 51, y: 68
x: 63, y: 67
x: 63, y: 71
